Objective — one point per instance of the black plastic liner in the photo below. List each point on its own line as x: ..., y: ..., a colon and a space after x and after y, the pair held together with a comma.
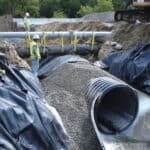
x: 116, y: 105
x: 131, y: 66
x: 49, y: 64
x: 25, y: 120
x: 57, y: 50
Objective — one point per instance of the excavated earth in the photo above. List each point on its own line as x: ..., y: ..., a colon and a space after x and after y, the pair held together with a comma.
x: 129, y: 35
x: 78, y: 26
x: 11, y: 54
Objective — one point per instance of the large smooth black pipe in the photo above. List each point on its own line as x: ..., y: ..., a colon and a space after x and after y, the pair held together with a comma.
x: 116, y: 104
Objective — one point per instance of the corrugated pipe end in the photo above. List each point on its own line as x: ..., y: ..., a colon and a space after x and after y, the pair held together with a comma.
x: 116, y: 105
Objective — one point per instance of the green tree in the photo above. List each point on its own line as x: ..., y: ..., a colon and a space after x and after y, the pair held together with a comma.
x: 59, y: 14
x: 31, y: 6
x: 88, y: 2
x: 121, y: 4
x: 85, y: 10
x: 103, y: 5
x: 8, y: 7
x: 70, y: 7
x: 47, y: 7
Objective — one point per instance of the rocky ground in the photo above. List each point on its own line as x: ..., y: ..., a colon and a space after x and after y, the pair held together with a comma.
x: 6, y: 23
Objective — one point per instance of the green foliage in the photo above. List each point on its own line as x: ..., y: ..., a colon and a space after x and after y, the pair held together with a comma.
x: 71, y: 7
x: 85, y: 10
x: 103, y: 5
x: 33, y: 10
x: 45, y: 8
x: 121, y: 4
x: 59, y: 14
x: 56, y: 8
x: 88, y: 2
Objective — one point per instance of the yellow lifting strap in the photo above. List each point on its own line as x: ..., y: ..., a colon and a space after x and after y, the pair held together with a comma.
x: 28, y: 39
x: 72, y: 40
x: 93, y: 41
x: 75, y: 42
x: 62, y: 43
x: 43, y: 42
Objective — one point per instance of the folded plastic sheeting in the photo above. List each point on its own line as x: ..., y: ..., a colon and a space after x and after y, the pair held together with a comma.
x: 26, y: 121
x: 49, y: 64
x: 131, y: 66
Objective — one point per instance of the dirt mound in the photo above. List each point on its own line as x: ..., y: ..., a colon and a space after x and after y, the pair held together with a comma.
x: 11, y: 54
x: 65, y: 89
x: 78, y: 26
x: 129, y: 35
x: 6, y: 23
x: 104, y: 17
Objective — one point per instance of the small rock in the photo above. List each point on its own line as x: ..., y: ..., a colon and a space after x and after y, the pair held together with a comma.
x: 105, y: 49
x: 113, y: 43
x: 118, y: 47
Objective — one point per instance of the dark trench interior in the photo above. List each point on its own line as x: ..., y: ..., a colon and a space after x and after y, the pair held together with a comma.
x: 116, y: 110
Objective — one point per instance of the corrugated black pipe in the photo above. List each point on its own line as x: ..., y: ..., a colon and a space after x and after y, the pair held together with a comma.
x: 116, y: 104
x: 56, y: 50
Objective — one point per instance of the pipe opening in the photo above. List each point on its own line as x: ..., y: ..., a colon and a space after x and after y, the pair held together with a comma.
x: 116, y: 110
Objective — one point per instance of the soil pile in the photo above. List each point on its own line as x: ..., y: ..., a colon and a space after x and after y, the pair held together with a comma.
x: 129, y: 35
x: 104, y: 17
x: 78, y: 26
x: 11, y: 54
x: 6, y: 23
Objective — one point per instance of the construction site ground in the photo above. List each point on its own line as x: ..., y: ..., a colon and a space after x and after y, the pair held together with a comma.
x: 65, y: 88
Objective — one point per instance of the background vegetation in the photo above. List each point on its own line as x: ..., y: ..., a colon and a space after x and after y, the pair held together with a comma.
x: 58, y: 8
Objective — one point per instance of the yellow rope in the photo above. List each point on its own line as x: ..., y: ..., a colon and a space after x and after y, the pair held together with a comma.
x: 62, y: 43
x: 28, y: 39
x: 75, y: 42
x: 43, y: 42
x: 93, y: 41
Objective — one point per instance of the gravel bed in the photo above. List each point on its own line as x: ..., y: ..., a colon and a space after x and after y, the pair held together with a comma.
x: 65, y: 89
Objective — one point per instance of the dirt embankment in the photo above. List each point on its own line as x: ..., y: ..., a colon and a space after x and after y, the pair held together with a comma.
x: 11, y: 54
x: 129, y: 35
x: 6, y: 23
x: 79, y: 26
x: 103, y: 17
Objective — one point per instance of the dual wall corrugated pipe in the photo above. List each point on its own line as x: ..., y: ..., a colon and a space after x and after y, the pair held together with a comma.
x: 116, y: 104
x: 57, y: 50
